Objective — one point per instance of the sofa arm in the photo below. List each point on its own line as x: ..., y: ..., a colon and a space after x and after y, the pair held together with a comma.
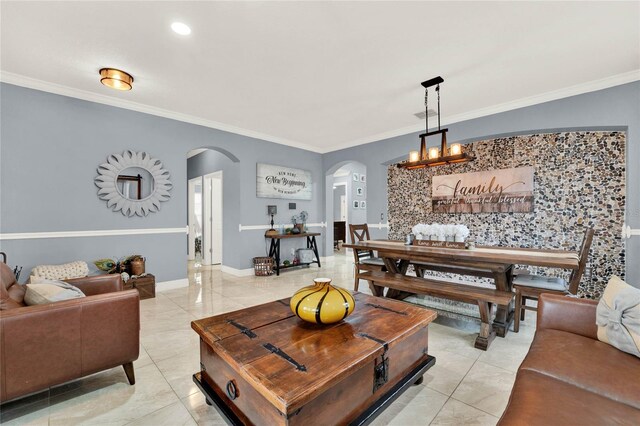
x: 577, y: 316
x: 98, y: 284
x: 46, y: 345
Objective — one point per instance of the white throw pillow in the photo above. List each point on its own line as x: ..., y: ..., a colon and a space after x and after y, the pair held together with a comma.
x: 49, y: 291
x: 618, y: 316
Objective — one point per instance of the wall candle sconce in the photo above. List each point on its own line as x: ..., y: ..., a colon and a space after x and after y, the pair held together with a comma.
x: 434, y: 157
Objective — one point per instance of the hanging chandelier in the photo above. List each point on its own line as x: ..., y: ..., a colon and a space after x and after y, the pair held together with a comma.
x: 434, y: 156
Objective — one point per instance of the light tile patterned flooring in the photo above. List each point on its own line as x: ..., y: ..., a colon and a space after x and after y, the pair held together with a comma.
x: 466, y: 386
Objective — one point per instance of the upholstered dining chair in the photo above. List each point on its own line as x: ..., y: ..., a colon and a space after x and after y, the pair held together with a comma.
x: 364, y: 259
x: 529, y: 287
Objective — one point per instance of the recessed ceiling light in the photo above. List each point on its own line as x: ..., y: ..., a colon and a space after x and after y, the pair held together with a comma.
x: 116, y: 79
x: 180, y: 28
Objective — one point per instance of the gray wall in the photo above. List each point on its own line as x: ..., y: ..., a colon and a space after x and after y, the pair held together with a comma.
x: 51, y: 146
x: 610, y: 108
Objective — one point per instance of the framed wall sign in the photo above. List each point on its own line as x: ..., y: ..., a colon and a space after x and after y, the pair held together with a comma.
x: 363, y: 204
x: 360, y: 192
x: 499, y: 191
x: 363, y: 178
x: 356, y: 204
x: 356, y: 177
x: 282, y: 182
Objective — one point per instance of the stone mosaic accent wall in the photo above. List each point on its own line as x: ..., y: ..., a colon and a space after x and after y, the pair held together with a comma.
x: 579, y: 181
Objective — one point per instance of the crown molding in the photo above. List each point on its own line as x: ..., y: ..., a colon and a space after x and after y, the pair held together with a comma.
x: 58, y: 89
x: 578, y: 89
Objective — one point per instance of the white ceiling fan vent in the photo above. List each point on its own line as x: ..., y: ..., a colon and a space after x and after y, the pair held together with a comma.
x: 432, y: 113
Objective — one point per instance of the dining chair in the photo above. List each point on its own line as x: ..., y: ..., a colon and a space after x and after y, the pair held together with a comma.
x: 365, y: 260
x: 529, y: 287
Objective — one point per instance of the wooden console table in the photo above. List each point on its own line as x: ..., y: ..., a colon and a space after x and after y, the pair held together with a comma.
x: 274, y: 248
x: 146, y: 286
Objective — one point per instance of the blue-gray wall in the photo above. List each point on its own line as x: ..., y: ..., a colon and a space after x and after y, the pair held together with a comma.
x: 616, y: 107
x: 50, y: 147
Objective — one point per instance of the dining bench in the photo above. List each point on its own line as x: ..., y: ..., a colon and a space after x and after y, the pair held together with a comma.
x: 483, y: 297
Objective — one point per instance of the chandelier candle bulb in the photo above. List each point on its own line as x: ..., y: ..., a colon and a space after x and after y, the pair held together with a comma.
x: 433, y: 153
x: 456, y: 149
x: 414, y: 156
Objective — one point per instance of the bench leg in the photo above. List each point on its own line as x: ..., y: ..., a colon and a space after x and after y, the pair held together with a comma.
x: 487, y: 333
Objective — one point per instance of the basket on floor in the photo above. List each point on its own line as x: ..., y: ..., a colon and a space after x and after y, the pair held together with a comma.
x: 263, y: 266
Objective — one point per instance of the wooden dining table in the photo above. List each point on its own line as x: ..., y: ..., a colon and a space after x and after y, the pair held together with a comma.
x: 492, y: 262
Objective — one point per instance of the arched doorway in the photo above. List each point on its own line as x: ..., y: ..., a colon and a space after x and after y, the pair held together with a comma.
x: 345, y: 201
x: 212, y: 175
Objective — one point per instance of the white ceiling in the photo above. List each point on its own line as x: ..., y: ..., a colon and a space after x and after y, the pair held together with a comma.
x: 321, y: 75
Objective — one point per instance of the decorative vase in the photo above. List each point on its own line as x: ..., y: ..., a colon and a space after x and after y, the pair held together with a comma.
x: 322, y: 303
x: 137, y: 266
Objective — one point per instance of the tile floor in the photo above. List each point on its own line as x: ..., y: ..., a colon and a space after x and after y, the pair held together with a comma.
x: 466, y: 386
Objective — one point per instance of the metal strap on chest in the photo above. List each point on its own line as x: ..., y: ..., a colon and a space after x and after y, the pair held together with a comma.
x: 282, y: 354
x: 381, y: 368
x: 373, y: 305
x: 244, y: 330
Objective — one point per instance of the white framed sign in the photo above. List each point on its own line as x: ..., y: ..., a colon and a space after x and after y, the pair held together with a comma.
x: 282, y: 182
x: 493, y: 191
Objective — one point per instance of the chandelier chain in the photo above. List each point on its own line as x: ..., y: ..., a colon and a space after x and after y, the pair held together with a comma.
x: 438, y: 91
x: 426, y: 110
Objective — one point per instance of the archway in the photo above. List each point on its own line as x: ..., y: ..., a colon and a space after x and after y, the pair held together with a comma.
x: 345, y: 200
x: 211, y: 214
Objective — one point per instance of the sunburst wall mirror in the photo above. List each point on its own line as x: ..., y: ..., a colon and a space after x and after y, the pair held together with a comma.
x: 133, y: 183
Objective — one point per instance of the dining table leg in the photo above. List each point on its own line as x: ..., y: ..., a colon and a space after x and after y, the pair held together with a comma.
x: 396, y: 267
x: 503, y: 277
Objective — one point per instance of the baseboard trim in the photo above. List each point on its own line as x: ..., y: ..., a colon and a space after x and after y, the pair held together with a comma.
x: 237, y: 272
x: 172, y: 285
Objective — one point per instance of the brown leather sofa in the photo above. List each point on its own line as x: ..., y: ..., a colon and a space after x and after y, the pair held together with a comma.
x: 46, y: 345
x: 569, y: 377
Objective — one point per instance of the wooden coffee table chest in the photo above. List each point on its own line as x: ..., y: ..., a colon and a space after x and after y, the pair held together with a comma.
x: 263, y: 365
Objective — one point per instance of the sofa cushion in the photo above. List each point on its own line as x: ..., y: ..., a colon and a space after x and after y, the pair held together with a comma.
x: 51, y: 291
x: 586, y: 363
x: 618, y: 316
x: 538, y: 399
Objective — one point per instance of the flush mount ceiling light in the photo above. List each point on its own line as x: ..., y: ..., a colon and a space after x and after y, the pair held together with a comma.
x: 434, y: 157
x: 116, y: 79
x: 180, y: 28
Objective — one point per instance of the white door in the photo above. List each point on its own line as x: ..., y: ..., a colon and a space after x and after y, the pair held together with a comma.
x: 195, y: 214
x: 343, y: 207
x: 212, y: 243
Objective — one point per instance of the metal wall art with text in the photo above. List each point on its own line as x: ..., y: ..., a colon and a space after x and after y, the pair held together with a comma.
x: 282, y: 182
x: 493, y: 191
